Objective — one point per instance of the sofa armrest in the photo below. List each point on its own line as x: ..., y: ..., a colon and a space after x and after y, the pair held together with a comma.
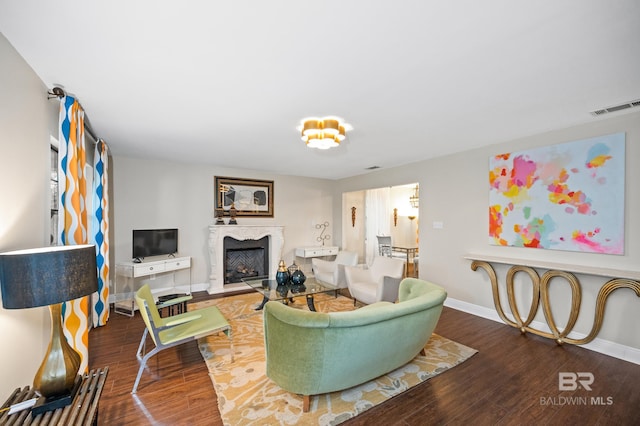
x: 340, y: 277
x: 321, y: 265
x: 174, y: 301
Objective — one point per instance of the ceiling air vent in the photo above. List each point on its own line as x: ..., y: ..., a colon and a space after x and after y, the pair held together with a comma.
x: 616, y: 108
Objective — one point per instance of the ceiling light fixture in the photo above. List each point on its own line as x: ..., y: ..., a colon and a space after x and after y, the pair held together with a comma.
x: 323, y: 133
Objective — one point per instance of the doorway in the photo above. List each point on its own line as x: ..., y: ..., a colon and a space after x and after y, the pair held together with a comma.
x: 392, y: 211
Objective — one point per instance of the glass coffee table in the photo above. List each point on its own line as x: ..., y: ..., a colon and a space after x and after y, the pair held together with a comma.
x: 270, y: 290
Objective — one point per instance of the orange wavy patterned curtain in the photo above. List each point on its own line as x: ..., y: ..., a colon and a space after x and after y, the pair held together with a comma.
x: 72, y: 221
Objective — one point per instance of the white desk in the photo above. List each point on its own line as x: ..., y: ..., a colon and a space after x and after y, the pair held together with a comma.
x: 315, y: 251
x: 127, y: 272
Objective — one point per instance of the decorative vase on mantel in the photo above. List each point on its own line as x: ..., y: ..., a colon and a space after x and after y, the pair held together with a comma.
x: 233, y: 212
x: 219, y: 215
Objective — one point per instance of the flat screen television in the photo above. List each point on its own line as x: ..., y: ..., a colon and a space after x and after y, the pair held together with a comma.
x: 154, y: 242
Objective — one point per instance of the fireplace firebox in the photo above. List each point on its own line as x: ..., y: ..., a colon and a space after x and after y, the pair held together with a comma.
x: 245, y: 258
x: 217, y: 234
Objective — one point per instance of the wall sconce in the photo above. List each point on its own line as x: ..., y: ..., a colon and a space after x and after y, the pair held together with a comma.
x: 411, y: 217
x: 414, y: 199
x: 395, y: 217
x: 353, y: 216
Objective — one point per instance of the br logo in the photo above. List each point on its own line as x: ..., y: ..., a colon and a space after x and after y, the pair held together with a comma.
x: 568, y: 381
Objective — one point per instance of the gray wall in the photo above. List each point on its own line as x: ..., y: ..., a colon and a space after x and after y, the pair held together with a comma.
x: 454, y: 190
x: 27, y: 119
x: 161, y: 194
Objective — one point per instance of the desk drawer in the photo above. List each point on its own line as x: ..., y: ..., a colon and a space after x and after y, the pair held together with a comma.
x: 313, y: 253
x: 142, y: 270
x: 330, y: 251
x: 316, y: 251
x: 175, y: 264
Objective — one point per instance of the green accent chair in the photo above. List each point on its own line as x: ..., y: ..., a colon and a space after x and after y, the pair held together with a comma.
x: 174, y: 330
x: 311, y: 353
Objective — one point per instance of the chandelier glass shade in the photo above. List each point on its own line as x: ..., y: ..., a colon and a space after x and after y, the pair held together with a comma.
x: 323, y: 133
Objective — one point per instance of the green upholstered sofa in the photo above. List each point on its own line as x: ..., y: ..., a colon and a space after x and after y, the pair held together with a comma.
x: 311, y: 353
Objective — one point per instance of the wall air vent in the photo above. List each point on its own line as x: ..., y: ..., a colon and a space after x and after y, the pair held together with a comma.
x: 615, y: 108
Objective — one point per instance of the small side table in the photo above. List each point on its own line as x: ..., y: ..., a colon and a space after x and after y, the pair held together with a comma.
x: 177, y: 303
x: 83, y: 410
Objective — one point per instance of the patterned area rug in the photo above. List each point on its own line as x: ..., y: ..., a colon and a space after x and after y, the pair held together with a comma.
x: 247, y: 397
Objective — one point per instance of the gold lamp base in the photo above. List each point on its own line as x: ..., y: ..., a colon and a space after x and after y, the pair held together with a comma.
x: 57, y: 376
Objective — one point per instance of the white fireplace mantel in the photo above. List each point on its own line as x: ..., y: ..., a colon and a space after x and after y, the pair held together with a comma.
x: 241, y: 233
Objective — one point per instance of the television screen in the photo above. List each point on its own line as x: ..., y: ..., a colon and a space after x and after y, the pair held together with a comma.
x: 154, y: 242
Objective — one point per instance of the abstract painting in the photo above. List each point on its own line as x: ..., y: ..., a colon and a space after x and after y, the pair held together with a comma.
x: 568, y: 196
x: 250, y: 197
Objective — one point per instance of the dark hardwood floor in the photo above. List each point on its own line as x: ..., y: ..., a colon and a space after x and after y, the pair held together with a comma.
x: 513, y: 380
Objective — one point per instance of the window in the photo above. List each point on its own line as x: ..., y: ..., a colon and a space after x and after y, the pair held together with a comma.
x: 53, y: 237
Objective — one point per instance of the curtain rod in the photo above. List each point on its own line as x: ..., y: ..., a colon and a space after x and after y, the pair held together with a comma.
x: 58, y: 92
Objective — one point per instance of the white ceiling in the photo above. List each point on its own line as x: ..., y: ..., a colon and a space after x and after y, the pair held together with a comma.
x: 227, y: 82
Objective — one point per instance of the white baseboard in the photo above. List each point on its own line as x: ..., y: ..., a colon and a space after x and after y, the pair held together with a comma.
x: 616, y: 350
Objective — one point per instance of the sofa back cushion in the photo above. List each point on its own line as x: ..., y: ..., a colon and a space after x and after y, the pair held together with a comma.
x: 314, y: 352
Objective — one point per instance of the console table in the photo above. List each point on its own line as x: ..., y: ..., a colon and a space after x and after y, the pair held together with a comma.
x: 540, y: 286
x: 127, y: 272
x: 83, y: 410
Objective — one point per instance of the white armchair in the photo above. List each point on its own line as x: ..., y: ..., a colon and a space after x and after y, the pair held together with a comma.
x: 379, y: 282
x: 332, y: 271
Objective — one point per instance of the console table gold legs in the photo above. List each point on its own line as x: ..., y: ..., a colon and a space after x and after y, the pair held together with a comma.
x: 540, y: 289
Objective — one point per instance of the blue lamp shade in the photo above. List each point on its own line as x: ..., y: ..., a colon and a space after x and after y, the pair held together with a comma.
x: 47, y: 276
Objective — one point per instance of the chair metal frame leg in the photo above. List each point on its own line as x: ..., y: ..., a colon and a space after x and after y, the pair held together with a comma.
x: 193, y: 325
x: 143, y: 365
x: 143, y: 358
x: 142, y: 348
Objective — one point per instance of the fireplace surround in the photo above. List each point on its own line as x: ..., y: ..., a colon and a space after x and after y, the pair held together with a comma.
x: 217, y: 234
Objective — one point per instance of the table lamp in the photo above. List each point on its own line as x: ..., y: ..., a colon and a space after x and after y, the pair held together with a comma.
x: 50, y: 276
